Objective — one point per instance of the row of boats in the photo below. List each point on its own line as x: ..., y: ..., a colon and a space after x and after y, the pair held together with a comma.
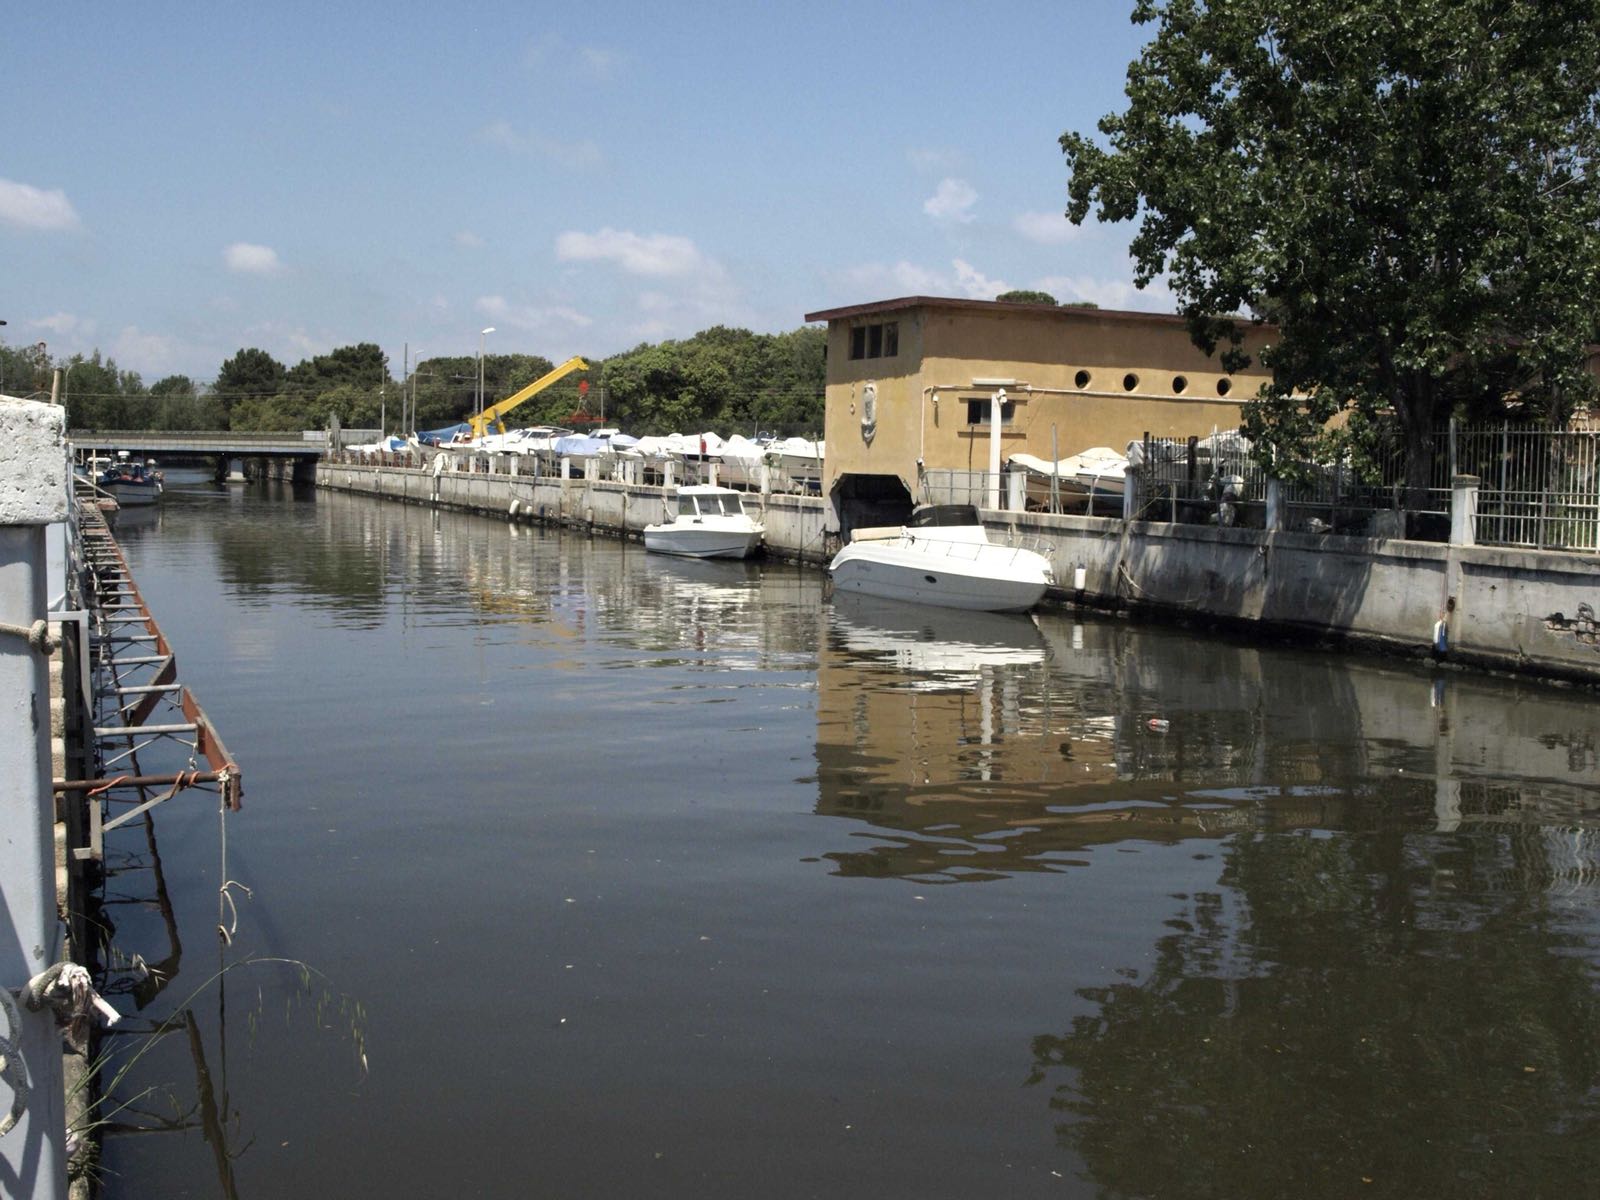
x: 942, y: 556
x: 797, y: 460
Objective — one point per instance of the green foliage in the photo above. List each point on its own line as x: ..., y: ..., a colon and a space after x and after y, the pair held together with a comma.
x: 1024, y: 296
x: 245, y: 387
x: 730, y: 380
x: 94, y: 392
x: 1403, y: 186
x: 359, y: 366
x: 24, y: 370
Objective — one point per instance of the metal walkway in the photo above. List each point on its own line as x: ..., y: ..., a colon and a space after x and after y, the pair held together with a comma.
x: 134, y: 702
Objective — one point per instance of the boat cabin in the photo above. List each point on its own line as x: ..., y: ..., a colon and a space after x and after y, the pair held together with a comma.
x: 709, y: 502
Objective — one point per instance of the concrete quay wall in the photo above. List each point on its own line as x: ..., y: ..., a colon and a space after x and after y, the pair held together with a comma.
x: 794, y: 523
x: 1523, y: 611
x: 1531, y: 612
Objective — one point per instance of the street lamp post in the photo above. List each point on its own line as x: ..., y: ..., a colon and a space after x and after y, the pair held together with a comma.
x: 481, y: 335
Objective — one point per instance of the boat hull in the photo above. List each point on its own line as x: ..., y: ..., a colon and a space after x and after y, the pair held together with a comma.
x: 701, y: 541
x: 129, y: 493
x: 976, y: 578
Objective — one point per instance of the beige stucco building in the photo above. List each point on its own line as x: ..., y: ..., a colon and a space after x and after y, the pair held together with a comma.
x: 910, y: 381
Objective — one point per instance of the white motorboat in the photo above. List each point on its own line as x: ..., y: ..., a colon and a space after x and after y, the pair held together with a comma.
x: 130, y: 481
x: 943, y: 557
x: 711, y: 523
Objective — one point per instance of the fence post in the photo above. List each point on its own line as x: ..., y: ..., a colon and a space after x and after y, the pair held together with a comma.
x: 1132, y: 480
x: 1017, y: 491
x: 32, y: 1154
x: 1464, y: 510
x: 1275, y: 515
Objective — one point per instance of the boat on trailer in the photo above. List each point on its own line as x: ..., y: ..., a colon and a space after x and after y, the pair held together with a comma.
x: 942, y: 556
x: 710, y: 523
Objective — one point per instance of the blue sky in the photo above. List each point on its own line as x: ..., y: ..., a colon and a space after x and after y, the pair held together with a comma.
x: 181, y: 181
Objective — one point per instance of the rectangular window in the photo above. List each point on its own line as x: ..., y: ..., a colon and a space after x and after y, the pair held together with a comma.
x: 978, y: 411
x: 879, y: 340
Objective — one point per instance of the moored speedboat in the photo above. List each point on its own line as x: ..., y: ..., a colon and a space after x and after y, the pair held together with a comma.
x: 943, y: 557
x: 711, y: 523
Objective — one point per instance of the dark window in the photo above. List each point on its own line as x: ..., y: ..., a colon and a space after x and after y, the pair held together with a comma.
x: 881, y: 340
x: 978, y: 411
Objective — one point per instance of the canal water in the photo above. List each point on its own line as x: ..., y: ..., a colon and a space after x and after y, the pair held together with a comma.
x: 576, y: 871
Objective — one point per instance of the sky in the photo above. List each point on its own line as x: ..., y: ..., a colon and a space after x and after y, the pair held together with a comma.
x: 180, y: 181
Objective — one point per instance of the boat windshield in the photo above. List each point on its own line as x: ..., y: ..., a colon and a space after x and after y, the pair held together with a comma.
x: 943, y: 515
x: 709, y: 506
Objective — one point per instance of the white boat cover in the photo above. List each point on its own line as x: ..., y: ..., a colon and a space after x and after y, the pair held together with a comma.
x: 1097, y: 462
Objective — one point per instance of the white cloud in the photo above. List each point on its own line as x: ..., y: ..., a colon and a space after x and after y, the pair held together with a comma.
x: 552, y: 54
x: 881, y: 281
x: 153, y: 355
x: 1109, y: 293
x: 246, y: 258
x: 932, y: 158
x: 951, y: 201
x: 601, y: 64
x: 23, y: 206
x: 975, y: 284
x: 531, y: 317
x: 468, y: 240
x: 659, y: 255
x: 581, y: 155
x: 61, y: 324
x: 1046, y: 228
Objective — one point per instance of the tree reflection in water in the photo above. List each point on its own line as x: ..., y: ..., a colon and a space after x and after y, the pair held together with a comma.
x: 1390, y: 1013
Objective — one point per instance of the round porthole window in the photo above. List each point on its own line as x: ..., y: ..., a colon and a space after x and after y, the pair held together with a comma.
x: 1178, y: 384
x: 1130, y: 381
x: 1081, y: 379
x: 1224, y: 386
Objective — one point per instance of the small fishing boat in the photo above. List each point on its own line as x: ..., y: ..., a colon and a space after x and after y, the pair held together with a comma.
x: 131, y: 482
x: 942, y: 556
x: 711, y: 523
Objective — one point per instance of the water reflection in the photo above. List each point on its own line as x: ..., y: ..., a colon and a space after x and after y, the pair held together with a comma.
x: 1398, y: 1014
x: 1372, y: 889
x: 1007, y: 757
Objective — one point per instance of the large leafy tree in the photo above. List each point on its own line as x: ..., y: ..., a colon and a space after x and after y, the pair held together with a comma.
x: 247, y: 382
x: 1405, y: 187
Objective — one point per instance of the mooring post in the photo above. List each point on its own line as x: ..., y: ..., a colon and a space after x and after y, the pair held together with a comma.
x: 33, y: 462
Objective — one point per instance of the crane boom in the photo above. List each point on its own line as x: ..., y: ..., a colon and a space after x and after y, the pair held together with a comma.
x: 491, y: 415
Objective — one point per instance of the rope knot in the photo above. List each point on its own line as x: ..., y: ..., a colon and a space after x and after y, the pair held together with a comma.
x: 68, y: 991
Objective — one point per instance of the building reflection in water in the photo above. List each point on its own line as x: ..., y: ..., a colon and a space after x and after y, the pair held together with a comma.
x: 1390, y: 990
x: 976, y: 745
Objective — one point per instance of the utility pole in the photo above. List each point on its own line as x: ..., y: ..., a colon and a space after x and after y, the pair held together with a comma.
x: 33, y: 1163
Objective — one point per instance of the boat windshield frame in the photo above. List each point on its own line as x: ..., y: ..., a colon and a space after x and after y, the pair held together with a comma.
x: 929, y: 516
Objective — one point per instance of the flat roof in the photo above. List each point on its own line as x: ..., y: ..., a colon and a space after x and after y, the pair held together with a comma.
x: 951, y: 303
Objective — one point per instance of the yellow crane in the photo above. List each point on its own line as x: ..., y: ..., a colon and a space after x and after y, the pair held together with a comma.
x: 491, y: 415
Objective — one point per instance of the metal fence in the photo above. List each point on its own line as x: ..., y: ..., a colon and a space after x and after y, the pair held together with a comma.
x: 1538, y: 488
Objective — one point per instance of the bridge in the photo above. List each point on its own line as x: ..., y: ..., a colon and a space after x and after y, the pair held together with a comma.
x: 260, y: 454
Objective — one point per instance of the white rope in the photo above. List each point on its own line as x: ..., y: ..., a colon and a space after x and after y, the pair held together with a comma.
x: 12, y: 1067
x: 36, y: 635
x: 67, y: 989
